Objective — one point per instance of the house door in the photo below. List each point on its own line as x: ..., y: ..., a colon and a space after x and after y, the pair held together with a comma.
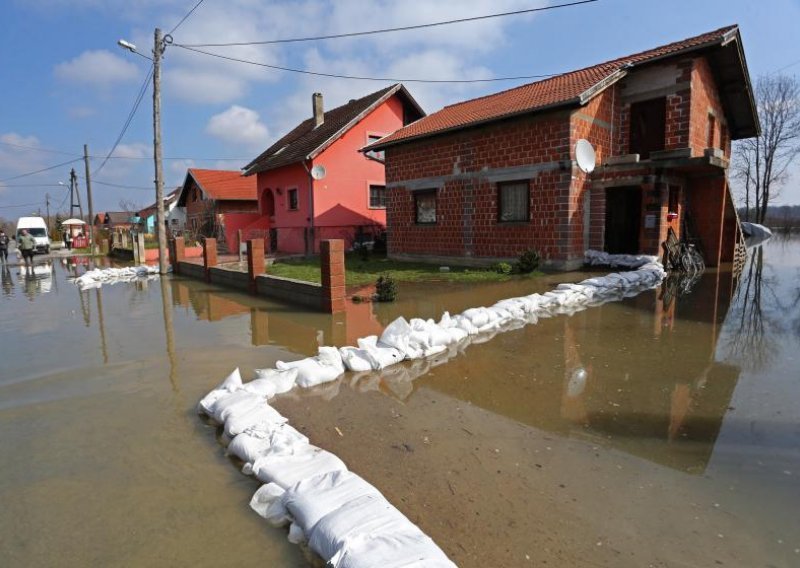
x: 623, y: 216
x: 273, y: 240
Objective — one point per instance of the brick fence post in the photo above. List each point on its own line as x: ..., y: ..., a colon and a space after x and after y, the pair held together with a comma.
x: 255, y: 261
x: 179, y: 247
x: 332, y: 267
x: 209, y: 256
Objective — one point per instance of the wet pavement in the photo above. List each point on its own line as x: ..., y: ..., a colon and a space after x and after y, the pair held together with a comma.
x: 658, y: 431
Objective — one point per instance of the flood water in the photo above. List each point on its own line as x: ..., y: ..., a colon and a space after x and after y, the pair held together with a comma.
x: 663, y: 430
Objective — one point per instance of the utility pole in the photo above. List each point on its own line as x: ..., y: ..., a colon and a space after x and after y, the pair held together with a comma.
x: 47, y: 204
x: 75, y: 194
x: 158, y: 50
x: 89, y: 197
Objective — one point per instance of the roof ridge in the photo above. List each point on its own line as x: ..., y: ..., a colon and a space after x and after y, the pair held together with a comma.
x: 619, y: 60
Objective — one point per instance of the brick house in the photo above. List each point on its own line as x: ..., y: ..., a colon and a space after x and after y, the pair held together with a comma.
x: 349, y: 202
x: 218, y: 203
x: 485, y: 179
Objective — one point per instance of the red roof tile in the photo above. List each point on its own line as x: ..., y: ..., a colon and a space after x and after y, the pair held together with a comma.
x: 557, y: 91
x: 224, y: 185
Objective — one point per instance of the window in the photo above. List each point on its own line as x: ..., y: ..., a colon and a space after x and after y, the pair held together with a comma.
x: 647, y: 124
x: 425, y: 207
x: 375, y: 154
x: 292, y: 200
x: 712, y: 123
x: 513, y: 201
x: 377, y: 197
x: 194, y: 223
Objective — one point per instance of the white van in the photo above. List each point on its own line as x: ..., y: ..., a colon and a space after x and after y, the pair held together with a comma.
x: 37, y: 228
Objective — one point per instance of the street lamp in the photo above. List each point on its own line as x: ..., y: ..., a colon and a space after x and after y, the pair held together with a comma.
x: 159, y: 45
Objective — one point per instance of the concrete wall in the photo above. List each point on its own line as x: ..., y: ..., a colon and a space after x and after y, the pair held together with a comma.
x: 289, y: 290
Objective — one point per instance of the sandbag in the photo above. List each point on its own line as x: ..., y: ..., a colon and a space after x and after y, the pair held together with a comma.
x: 271, y: 382
x: 266, y: 502
x: 414, y: 550
x: 358, y: 518
x: 356, y: 360
x: 235, y: 403
x: 261, y: 416
x: 312, y: 498
x: 380, y: 356
x: 231, y: 383
x: 288, y: 469
x: 326, y: 366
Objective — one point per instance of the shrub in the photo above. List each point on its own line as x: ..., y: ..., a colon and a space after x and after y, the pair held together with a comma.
x: 501, y: 268
x: 528, y: 262
x: 385, y: 289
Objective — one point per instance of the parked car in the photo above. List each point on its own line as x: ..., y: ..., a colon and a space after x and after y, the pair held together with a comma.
x: 36, y: 228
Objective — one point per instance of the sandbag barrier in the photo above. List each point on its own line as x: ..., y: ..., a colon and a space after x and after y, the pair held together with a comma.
x: 99, y: 276
x: 341, y: 517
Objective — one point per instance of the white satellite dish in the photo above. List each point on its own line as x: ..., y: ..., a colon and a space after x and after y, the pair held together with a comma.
x: 585, y: 155
x: 318, y: 172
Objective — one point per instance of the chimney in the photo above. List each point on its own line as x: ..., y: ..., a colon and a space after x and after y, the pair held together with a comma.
x: 319, y: 113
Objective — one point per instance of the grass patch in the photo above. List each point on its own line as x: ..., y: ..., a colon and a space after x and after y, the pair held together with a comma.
x: 360, y: 271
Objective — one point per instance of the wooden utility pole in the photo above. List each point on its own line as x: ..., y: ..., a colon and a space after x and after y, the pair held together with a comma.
x: 89, y: 197
x: 158, y: 50
x: 47, y: 204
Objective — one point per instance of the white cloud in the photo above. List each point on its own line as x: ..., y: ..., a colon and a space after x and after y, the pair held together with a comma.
x: 99, y: 68
x: 18, y: 155
x: 239, y: 125
x: 79, y: 112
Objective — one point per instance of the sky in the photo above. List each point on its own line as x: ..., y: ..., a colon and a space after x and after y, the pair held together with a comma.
x: 66, y: 83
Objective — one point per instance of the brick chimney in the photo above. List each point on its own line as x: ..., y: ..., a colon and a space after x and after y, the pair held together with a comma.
x: 319, y: 113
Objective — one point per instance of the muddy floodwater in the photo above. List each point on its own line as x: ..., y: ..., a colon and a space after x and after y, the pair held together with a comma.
x: 660, y: 431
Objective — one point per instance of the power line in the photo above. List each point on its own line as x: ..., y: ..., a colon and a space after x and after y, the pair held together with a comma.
x: 39, y: 203
x: 365, y: 78
x: 196, y: 6
x: 389, y: 30
x: 46, y: 150
x: 31, y: 185
x: 40, y: 171
x: 117, y: 184
x: 131, y: 114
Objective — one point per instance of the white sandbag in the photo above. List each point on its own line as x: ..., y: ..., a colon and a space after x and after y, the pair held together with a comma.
x: 380, y: 356
x: 235, y: 403
x: 283, y: 380
x: 356, y: 360
x: 266, y: 502
x: 326, y: 366
x: 398, y: 335
x: 262, y: 416
x: 288, y: 469
x: 414, y: 550
x: 361, y: 517
x: 231, y: 383
x: 313, y: 498
x: 296, y: 534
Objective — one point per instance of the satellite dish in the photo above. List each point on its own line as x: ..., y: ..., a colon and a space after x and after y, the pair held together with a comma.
x: 318, y: 172
x: 585, y: 156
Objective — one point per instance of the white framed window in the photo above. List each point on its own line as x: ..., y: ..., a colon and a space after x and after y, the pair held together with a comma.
x: 379, y: 155
x: 377, y: 197
x: 292, y: 202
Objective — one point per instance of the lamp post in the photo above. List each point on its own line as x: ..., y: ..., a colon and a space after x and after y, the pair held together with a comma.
x: 159, y: 44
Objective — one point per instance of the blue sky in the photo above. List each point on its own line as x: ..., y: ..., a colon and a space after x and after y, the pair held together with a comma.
x: 66, y: 83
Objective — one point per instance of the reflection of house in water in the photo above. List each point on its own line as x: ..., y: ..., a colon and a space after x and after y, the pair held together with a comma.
x: 277, y: 324
x: 638, y: 375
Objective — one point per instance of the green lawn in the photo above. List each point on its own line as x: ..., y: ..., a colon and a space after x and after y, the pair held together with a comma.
x: 359, y: 272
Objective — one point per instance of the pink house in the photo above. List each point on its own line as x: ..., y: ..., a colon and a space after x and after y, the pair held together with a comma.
x: 314, y: 184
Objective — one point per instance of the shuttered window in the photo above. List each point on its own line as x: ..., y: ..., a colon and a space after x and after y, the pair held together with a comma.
x: 513, y: 201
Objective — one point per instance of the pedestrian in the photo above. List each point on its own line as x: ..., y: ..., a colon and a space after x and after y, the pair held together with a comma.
x: 3, y: 247
x: 67, y: 239
x: 26, y: 245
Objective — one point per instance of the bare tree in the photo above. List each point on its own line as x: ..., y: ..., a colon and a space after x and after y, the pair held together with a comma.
x: 762, y: 163
x: 128, y: 206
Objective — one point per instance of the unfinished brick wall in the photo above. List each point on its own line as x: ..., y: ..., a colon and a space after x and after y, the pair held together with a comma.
x: 705, y: 102
x: 460, y: 166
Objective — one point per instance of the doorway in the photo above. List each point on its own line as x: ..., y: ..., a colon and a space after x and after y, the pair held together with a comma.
x: 623, y: 218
